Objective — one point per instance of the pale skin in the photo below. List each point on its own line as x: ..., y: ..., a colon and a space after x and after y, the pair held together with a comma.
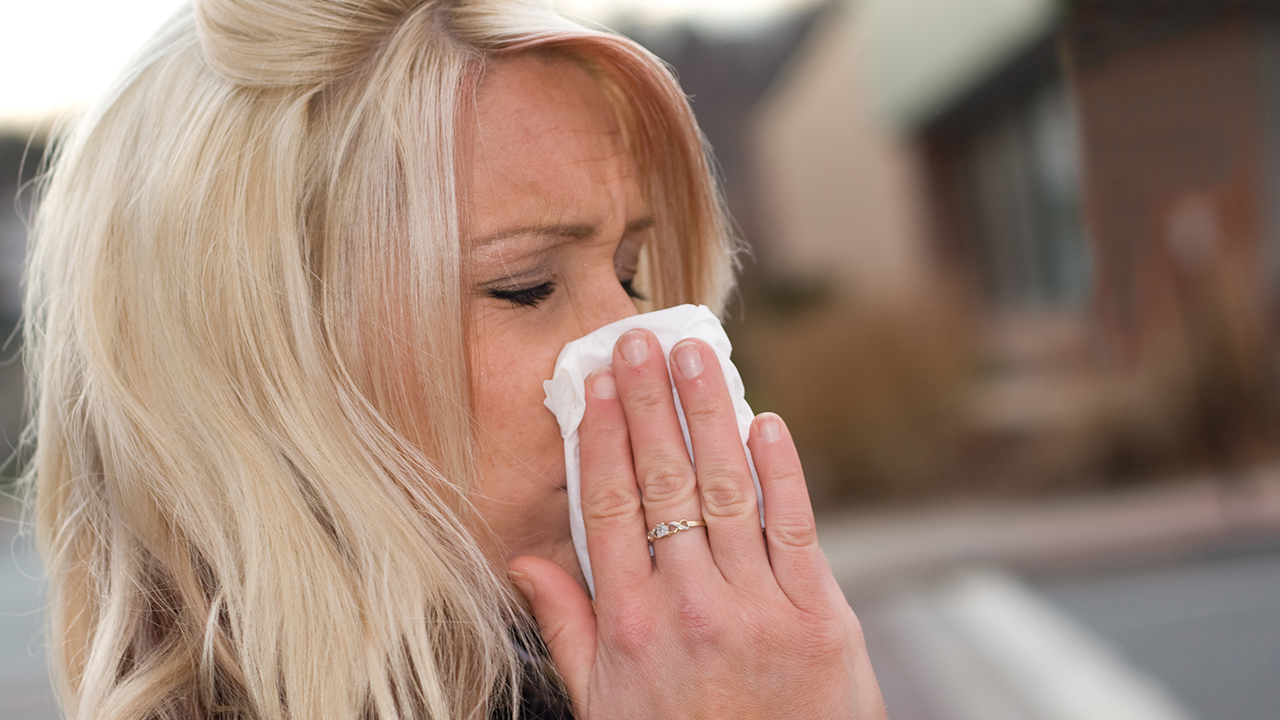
x: 724, y: 621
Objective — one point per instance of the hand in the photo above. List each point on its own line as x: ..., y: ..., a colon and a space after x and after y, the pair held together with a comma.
x: 723, y: 621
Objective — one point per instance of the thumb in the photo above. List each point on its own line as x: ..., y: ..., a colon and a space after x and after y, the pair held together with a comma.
x: 565, y: 618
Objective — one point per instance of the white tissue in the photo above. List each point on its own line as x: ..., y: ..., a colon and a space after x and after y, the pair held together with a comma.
x: 566, y: 393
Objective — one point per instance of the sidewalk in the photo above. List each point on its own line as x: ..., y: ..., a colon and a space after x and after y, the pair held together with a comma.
x: 999, y: 611
x: 867, y: 550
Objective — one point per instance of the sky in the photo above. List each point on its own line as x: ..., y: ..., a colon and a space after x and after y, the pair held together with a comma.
x: 65, y: 53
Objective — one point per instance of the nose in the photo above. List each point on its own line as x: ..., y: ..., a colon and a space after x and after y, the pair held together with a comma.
x: 606, y: 302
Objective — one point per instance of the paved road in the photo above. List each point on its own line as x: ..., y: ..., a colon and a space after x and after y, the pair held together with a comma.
x: 1165, y: 602
x: 1206, y: 625
x: 1175, y: 638
x: 980, y: 644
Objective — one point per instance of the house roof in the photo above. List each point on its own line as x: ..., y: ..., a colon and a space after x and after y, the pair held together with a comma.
x: 926, y: 54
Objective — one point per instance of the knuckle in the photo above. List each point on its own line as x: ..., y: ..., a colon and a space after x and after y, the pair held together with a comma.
x: 649, y: 398
x: 551, y: 634
x: 666, y: 481
x: 603, y: 424
x: 825, y: 640
x: 611, y: 502
x: 632, y: 633
x: 806, y: 637
x: 810, y: 637
x: 787, y: 477
x: 696, y: 624
x: 726, y: 498
x: 793, y: 531
x: 697, y: 413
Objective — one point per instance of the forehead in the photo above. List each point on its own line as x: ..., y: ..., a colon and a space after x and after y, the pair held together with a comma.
x: 548, y: 149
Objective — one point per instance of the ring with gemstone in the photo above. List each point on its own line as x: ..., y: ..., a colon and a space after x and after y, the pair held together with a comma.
x: 662, y: 530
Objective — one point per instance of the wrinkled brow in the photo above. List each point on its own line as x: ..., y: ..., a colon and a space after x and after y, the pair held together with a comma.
x: 559, y: 231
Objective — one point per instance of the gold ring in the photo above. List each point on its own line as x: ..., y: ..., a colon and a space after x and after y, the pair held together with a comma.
x: 662, y: 530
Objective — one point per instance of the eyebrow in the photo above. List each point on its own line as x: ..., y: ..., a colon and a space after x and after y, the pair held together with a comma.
x: 564, y: 231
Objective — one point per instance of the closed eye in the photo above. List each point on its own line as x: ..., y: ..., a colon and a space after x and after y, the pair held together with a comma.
x: 629, y: 286
x: 533, y: 295
x: 526, y: 296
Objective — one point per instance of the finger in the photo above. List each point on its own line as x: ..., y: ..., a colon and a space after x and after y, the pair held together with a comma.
x: 611, y: 512
x: 798, y: 564
x: 565, y: 618
x: 728, y: 494
x: 664, y: 472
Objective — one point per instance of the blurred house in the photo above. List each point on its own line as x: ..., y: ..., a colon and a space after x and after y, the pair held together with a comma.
x: 19, y: 158
x: 1045, y: 233
x: 725, y: 75
x: 21, y: 150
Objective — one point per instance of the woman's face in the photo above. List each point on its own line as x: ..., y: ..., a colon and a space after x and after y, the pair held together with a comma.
x: 555, y: 224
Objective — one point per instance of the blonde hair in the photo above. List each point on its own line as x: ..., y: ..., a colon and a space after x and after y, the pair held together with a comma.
x: 245, y: 326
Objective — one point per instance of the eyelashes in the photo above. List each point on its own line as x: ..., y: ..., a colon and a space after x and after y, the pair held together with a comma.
x: 629, y: 286
x: 533, y: 295
x: 526, y: 296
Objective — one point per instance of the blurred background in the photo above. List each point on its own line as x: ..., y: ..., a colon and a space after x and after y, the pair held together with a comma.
x: 1014, y: 281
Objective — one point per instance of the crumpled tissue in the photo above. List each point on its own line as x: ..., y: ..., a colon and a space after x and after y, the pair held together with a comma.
x: 566, y: 394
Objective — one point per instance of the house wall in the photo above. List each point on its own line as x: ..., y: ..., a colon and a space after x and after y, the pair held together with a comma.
x: 1172, y: 148
x: 841, y: 194
x: 1176, y: 198
x: 1145, y: 349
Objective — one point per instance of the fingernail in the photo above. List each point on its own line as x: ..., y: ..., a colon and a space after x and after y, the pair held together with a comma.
x: 688, y: 359
x: 635, y: 347
x: 770, y: 427
x: 603, y: 385
x: 522, y: 582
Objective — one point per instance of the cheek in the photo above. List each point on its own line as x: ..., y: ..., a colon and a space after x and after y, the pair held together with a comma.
x: 508, y: 397
x: 520, y: 456
x: 520, y: 453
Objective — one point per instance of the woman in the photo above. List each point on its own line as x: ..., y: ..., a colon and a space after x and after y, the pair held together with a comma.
x: 297, y: 282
